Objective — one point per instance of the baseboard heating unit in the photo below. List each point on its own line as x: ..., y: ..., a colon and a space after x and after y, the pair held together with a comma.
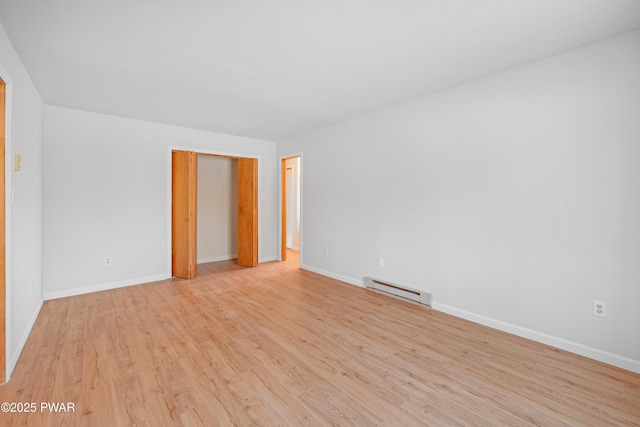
x: 399, y: 291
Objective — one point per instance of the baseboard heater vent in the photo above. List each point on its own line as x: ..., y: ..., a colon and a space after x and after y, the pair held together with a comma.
x: 393, y: 289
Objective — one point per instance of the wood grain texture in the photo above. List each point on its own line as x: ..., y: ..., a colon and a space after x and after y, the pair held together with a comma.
x: 279, y: 346
x: 248, y: 212
x: 184, y: 181
x: 3, y: 271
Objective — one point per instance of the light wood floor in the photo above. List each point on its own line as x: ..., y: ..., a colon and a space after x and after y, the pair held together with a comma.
x: 279, y: 346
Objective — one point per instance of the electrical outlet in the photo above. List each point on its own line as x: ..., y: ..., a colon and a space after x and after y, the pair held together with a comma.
x: 599, y: 308
x: 326, y: 251
x: 380, y: 262
x: 107, y: 261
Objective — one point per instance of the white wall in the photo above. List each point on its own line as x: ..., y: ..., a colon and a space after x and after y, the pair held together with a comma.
x: 106, y: 193
x: 24, y: 217
x: 515, y: 199
x: 217, y: 230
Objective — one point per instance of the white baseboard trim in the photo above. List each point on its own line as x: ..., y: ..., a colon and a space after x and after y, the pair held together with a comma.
x: 268, y: 259
x: 346, y: 279
x: 217, y: 258
x: 570, y: 346
x: 23, y: 340
x: 103, y: 287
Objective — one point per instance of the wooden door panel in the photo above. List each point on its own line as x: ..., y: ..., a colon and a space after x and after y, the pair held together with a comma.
x: 248, y: 212
x: 183, y: 214
x: 3, y: 294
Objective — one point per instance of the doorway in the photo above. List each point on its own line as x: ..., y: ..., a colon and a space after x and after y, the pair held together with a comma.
x: 217, y: 209
x: 291, y: 204
x: 184, y: 174
x: 3, y: 271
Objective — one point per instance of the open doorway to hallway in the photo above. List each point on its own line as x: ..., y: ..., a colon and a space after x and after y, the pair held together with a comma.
x: 291, y: 173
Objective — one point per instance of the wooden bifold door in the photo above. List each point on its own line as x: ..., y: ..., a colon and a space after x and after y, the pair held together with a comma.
x: 184, y: 213
x: 248, y: 212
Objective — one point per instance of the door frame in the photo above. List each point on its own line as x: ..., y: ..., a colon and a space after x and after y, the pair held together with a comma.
x: 198, y: 151
x: 5, y: 184
x: 282, y: 253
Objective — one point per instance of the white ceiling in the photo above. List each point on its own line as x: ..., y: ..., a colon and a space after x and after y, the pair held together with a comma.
x: 272, y: 69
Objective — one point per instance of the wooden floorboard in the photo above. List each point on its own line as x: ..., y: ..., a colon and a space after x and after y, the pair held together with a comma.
x: 279, y: 346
